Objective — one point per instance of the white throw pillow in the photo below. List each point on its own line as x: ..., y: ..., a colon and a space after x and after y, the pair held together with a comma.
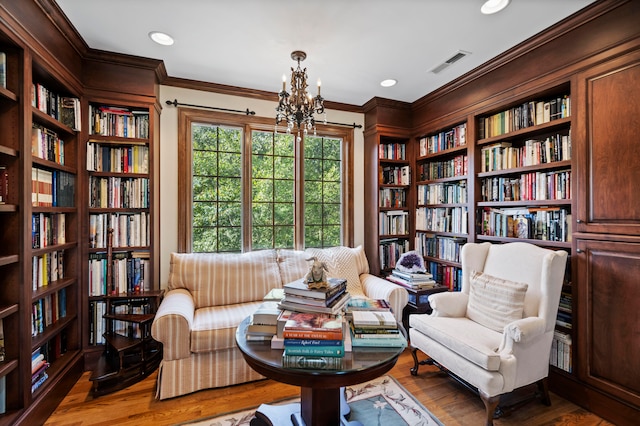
x: 495, y: 302
x: 344, y: 262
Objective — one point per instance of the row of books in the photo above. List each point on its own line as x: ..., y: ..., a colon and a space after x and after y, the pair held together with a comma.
x: 117, y: 159
x: 528, y: 114
x: 446, y: 275
x: 116, y: 192
x: 313, y: 340
x: 561, y: 351
x: 555, y: 185
x: 540, y: 223
x: 65, y: 109
x: 457, y: 166
x: 47, y: 311
x: 414, y: 281
x: 504, y: 156
x: 128, y: 272
x: 441, y: 247
x: 299, y: 297
x: 3, y: 70
x: 393, y: 222
x: 395, y: 175
x: 129, y: 229
x: 97, y: 324
x: 442, y: 219
x: 47, y: 229
x: 118, y: 121
x: 46, y: 144
x: 4, y: 184
x: 390, y: 250
x: 392, y: 151
x: 39, y: 366
x: 52, y: 188
x: 451, y: 138
x: 392, y: 197
x: 47, y: 268
x: 443, y: 193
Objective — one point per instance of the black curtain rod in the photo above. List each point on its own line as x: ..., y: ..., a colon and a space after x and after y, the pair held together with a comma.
x: 175, y: 103
x: 354, y: 125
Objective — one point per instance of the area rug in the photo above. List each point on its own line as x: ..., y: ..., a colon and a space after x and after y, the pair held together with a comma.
x: 382, y: 401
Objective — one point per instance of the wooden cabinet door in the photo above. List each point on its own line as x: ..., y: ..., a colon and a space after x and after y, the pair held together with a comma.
x: 606, y: 146
x: 608, y: 279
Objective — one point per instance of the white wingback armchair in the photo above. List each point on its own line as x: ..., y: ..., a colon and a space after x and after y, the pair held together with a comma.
x: 496, y: 333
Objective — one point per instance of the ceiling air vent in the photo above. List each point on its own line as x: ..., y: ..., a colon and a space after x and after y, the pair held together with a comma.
x: 455, y: 58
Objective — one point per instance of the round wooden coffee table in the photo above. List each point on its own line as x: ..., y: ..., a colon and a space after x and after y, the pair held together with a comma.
x: 320, y: 389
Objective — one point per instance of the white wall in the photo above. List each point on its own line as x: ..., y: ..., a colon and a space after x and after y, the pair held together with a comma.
x: 169, y: 159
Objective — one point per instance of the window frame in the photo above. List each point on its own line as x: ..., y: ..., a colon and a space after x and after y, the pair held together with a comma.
x: 189, y: 116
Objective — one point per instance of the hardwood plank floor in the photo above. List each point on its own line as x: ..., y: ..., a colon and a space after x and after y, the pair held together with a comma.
x: 448, y: 400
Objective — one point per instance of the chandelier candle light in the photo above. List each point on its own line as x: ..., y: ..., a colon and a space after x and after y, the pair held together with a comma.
x: 299, y: 107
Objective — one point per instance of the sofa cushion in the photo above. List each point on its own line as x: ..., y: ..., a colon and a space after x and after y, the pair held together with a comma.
x: 214, y: 328
x: 344, y: 262
x: 218, y: 279
x: 495, y: 302
x: 293, y: 265
x: 467, y: 338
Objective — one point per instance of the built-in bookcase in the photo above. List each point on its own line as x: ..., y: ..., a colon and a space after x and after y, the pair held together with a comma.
x: 394, y: 221
x: 120, y: 241
x: 39, y: 231
x: 12, y: 305
x: 442, y: 207
x: 525, y: 181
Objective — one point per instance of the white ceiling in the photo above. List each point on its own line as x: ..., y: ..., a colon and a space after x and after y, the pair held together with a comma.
x: 351, y: 45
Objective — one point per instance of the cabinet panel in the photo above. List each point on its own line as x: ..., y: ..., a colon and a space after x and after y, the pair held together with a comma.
x: 609, y: 149
x: 608, y: 315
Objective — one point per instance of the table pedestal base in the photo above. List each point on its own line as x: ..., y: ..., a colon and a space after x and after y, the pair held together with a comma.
x: 321, y: 407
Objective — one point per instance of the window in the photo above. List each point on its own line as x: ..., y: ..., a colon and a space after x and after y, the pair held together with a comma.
x: 243, y: 187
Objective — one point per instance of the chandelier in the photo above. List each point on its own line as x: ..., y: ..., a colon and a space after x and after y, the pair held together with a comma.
x: 299, y: 107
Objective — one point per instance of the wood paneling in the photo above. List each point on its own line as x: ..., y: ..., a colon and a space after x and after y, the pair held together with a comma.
x: 608, y: 317
x: 607, y: 145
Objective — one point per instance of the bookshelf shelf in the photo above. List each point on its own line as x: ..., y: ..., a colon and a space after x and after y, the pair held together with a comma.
x: 53, y: 287
x: 8, y: 94
x: 544, y: 243
x: 10, y: 259
x: 525, y: 203
x: 528, y: 131
x: 5, y: 150
x: 527, y: 169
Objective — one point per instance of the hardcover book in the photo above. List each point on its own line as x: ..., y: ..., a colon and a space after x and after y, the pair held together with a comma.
x: 299, y: 287
x: 267, y: 314
x: 362, y: 304
x: 310, y: 325
x: 378, y: 319
x: 312, y: 362
x: 335, y: 308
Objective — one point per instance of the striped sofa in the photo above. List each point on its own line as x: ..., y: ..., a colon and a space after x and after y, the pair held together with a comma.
x: 208, y: 295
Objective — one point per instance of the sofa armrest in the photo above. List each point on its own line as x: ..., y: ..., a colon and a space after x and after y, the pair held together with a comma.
x: 378, y: 288
x: 449, y: 304
x: 172, y: 324
x: 521, y: 331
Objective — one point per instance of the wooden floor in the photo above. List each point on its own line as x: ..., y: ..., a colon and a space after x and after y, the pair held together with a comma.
x: 449, y: 401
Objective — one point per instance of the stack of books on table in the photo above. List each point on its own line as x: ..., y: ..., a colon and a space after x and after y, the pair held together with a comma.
x: 264, y: 322
x: 414, y: 281
x: 298, y: 297
x: 375, y: 329
x: 313, y: 340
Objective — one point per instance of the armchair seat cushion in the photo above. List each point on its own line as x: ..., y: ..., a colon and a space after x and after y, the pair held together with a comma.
x: 214, y: 328
x: 467, y: 338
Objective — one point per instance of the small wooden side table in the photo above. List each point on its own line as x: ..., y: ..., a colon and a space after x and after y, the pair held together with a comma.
x: 419, y: 302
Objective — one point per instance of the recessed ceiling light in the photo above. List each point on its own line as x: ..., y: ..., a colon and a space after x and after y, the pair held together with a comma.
x: 388, y: 82
x: 493, y: 6
x: 161, y: 38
